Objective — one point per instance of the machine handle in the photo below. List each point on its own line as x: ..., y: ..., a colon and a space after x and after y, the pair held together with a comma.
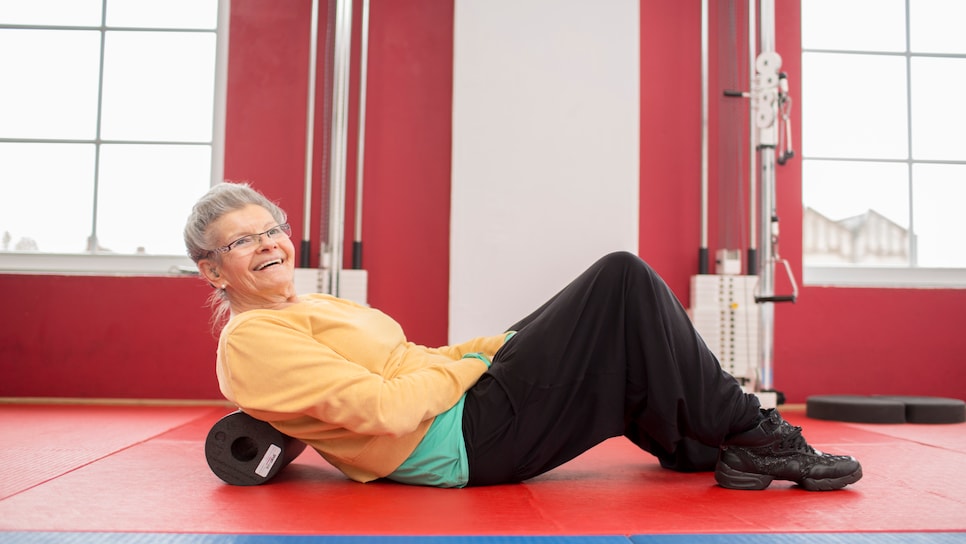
x: 778, y: 298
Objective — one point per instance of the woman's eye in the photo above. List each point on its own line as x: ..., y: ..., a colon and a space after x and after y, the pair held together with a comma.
x: 242, y: 241
x: 272, y: 233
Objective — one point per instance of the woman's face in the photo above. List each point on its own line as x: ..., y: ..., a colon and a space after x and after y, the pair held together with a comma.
x: 256, y: 274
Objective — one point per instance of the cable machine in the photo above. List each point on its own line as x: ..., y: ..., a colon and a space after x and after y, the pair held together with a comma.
x: 331, y: 277
x: 770, y: 103
x: 771, y: 137
x: 770, y: 144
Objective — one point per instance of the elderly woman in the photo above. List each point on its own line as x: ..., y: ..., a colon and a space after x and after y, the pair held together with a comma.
x: 611, y: 354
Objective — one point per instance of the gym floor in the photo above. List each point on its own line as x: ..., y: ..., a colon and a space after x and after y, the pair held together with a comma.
x: 137, y: 473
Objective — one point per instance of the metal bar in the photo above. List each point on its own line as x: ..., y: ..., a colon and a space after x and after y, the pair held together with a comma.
x: 361, y: 141
x: 752, y: 145
x: 767, y: 213
x: 306, y: 248
x: 221, y: 93
x: 337, y: 175
x: 703, y: 250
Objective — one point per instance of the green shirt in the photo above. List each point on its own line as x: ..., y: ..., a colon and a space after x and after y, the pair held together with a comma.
x: 440, y: 458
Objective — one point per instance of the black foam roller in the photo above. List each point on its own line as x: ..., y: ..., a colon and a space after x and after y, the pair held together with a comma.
x: 242, y: 450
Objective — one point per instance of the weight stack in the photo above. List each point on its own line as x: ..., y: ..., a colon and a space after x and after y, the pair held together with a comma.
x: 724, y: 312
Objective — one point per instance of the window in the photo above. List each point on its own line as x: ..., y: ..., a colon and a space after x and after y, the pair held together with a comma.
x: 884, y: 153
x: 111, y: 129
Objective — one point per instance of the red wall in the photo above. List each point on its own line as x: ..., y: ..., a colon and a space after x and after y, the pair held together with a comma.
x: 407, y: 164
x: 111, y: 337
x: 670, y: 159
x: 139, y: 337
x: 267, y: 89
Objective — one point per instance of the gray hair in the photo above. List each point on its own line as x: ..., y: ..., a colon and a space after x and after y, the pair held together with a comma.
x: 222, y: 198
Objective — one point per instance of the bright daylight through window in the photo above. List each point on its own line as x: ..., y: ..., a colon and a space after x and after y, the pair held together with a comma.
x: 884, y: 166
x: 108, y: 131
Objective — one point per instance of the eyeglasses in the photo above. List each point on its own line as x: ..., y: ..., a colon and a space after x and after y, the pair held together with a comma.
x: 249, y: 241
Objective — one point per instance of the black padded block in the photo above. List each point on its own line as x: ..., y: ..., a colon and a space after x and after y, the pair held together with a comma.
x: 242, y: 450
x: 855, y: 409
x: 886, y: 409
x: 930, y: 409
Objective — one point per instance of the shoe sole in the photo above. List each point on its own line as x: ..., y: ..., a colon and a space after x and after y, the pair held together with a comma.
x: 730, y: 478
x: 831, y: 484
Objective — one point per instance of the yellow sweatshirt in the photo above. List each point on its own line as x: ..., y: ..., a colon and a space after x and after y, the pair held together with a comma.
x: 342, y: 378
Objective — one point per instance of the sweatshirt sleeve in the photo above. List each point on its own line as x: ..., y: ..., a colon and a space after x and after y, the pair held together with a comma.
x: 487, y: 345
x: 275, y: 369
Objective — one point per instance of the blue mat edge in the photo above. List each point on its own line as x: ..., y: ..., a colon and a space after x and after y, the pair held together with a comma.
x: 49, y: 537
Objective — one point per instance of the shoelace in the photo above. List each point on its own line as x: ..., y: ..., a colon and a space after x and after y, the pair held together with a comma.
x: 792, y: 438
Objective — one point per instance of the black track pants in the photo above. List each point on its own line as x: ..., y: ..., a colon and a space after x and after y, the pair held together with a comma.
x: 613, y: 353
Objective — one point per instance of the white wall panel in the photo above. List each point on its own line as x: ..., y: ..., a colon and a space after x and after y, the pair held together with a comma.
x: 545, y: 151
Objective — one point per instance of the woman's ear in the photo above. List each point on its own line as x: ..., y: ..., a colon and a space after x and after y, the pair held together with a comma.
x: 209, y: 271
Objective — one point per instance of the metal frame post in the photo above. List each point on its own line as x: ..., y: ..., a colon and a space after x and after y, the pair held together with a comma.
x: 361, y: 140
x: 769, y: 97
x: 703, y: 249
x: 340, y: 113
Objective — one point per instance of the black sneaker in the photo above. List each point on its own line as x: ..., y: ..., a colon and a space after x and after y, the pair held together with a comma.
x: 776, y: 449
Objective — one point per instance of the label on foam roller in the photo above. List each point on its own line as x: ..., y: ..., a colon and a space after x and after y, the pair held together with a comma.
x: 268, y: 460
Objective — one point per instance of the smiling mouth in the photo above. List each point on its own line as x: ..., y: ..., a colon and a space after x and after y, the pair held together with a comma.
x: 267, y: 264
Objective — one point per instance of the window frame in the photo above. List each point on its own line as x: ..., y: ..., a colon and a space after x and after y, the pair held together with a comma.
x: 911, y: 276
x: 21, y: 262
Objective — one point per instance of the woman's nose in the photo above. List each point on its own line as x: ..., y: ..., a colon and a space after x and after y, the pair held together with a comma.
x: 266, y: 241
